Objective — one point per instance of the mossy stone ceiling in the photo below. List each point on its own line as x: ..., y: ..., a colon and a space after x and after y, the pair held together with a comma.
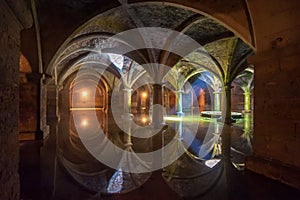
x: 219, y: 41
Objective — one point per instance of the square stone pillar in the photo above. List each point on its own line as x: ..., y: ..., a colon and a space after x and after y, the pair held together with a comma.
x: 12, y: 21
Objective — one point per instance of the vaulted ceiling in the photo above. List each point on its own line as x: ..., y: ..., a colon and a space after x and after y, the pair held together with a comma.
x: 91, y: 37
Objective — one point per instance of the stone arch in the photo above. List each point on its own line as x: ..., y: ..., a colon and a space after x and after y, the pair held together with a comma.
x: 234, y: 15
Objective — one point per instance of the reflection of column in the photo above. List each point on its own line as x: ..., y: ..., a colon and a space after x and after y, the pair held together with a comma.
x: 226, y: 131
x: 157, y: 116
x: 247, y: 101
x: 217, y: 106
x: 179, y: 102
x: 179, y: 112
x: 210, y: 141
x: 179, y: 128
x: 247, y: 128
x: 192, y: 102
x: 48, y: 150
x: 216, y: 127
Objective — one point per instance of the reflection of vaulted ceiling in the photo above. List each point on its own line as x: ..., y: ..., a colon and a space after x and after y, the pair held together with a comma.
x: 83, y: 45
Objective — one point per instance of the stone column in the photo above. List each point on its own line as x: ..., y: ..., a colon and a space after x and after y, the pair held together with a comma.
x: 13, y: 18
x: 41, y: 106
x: 64, y: 117
x: 192, y: 102
x: 179, y: 112
x: 179, y: 102
x: 139, y: 102
x: 127, y: 100
x: 105, y: 110
x: 167, y: 102
x: 217, y: 106
x: 157, y: 116
x: 201, y: 100
x: 247, y: 101
x: 51, y: 108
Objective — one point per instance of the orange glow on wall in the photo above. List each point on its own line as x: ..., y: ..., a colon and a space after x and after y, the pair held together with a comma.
x: 84, y: 95
x: 84, y: 123
x: 144, y: 94
x: 144, y: 119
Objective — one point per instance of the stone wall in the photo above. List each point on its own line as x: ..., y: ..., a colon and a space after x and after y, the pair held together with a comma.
x: 28, y: 108
x: 276, y: 143
x: 277, y: 116
x: 10, y: 27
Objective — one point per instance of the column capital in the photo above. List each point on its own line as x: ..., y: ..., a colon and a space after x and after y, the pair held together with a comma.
x: 179, y: 91
x: 127, y: 89
x: 227, y: 87
x: 155, y: 85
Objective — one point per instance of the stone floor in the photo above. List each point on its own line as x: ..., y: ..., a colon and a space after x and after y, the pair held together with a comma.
x: 239, y: 185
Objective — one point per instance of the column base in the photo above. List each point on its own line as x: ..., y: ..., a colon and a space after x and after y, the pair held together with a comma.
x: 228, y: 121
x: 274, y: 169
x: 247, y: 111
x: 180, y: 114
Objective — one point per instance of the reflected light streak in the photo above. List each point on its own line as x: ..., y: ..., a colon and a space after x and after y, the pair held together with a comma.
x: 83, y: 109
x: 212, y: 162
x: 189, y: 118
x: 173, y: 118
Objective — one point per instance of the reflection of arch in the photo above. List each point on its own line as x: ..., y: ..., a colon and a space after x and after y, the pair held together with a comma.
x: 80, y: 99
x: 190, y: 177
x: 72, y: 154
x: 141, y: 101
